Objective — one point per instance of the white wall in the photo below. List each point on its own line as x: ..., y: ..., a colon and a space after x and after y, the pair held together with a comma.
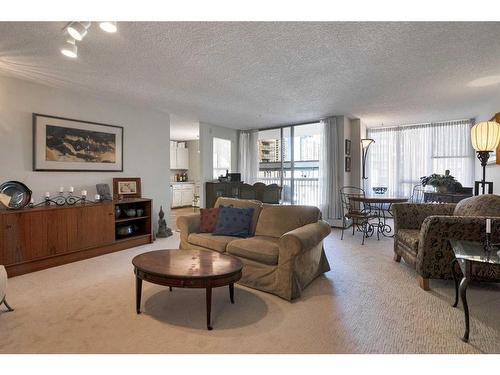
x: 207, y: 134
x: 146, y: 139
x: 194, y: 171
x: 356, y: 170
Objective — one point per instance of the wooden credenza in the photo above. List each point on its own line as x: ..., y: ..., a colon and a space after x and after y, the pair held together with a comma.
x: 445, y: 197
x: 32, y: 239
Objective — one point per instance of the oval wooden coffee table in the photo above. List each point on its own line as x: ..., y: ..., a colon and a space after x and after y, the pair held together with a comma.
x: 187, y: 269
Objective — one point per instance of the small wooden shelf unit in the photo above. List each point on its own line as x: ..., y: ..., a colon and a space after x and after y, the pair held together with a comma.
x: 33, y: 239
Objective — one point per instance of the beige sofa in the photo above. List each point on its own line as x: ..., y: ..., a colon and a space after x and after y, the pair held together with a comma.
x: 283, y: 255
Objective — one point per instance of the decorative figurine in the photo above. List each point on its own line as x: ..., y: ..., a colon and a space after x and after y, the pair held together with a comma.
x: 163, y: 230
x: 3, y: 288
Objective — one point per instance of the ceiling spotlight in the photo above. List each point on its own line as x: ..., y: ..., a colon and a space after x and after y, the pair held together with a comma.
x: 78, y: 30
x: 108, y: 26
x: 70, y: 49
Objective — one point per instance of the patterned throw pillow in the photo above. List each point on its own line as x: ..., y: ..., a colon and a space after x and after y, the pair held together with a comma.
x: 208, y: 219
x: 234, y: 222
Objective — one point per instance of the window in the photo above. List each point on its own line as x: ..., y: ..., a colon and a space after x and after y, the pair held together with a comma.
x: 222, y: 156
x: 401, y: 155
x: 289, y: 157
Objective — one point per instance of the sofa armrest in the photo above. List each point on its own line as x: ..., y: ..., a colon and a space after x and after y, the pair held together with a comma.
x: 302, y: 239
x: 188, y: 224
x: 412, y: 215
x: 434, y: 251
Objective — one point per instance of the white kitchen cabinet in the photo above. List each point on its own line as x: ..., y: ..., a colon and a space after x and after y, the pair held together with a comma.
x: 182, y: 158
x: 176, y: 197
x: 173, y: 155
x: 179, y: 157
x: 187, y: 194
x: 182, y: 195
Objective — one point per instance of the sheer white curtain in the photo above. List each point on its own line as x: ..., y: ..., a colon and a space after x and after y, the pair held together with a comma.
x: 248, y: 161
x: 328, y: 171
x: 401, y: 155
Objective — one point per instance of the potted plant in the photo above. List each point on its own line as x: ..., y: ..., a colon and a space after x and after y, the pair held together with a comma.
x: 443, y: 183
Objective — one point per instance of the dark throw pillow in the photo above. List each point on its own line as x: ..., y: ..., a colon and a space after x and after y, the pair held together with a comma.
x: 234, y: 222
x: 208, y: 219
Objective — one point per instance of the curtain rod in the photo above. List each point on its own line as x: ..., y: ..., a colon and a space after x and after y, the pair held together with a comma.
x: 419, y: 124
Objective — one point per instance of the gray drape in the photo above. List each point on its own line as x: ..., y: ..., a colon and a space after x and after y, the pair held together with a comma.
x: 328, y: 171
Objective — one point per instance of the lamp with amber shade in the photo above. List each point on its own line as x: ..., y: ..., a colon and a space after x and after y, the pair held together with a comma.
x: 485, y: 137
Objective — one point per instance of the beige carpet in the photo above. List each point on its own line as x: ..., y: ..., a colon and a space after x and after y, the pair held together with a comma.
x: 366, y: 304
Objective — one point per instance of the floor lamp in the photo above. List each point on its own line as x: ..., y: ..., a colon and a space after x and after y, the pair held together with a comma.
x: 485, y: 137
x: 365, y: 145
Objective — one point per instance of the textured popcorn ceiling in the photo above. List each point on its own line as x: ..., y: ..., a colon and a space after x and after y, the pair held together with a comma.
x: 246, y: 75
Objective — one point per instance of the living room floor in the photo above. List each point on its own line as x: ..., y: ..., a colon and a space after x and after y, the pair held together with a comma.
x: 367, y: 303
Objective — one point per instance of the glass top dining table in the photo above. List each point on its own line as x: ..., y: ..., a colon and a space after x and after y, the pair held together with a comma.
x: 380, y: 206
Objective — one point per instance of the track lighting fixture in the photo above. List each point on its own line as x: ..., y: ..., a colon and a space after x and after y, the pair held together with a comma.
x: 108, y: 26
x: 78, y: 29
x: 70, y: 49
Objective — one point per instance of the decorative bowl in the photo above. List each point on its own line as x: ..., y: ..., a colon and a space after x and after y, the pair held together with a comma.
x: 18, y: 193
x: 125, y: 230
x: 379, y: 189
x: 131, y: 212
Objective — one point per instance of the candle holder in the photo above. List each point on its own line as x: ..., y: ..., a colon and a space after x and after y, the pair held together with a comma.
x: 74, y: 199
x: 488, y: 246
x: 47, y: 201
x: 487, y: 243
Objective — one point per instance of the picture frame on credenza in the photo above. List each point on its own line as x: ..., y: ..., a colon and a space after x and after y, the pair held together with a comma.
x: 127, y: 187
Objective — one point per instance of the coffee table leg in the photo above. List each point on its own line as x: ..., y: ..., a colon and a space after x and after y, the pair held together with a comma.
x: 138, y: 293
x: 170, y: 288
x: 209, y: 307
x: 231, y: 292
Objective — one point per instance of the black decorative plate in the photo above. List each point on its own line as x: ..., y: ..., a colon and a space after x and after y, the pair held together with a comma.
x: 18, y: 192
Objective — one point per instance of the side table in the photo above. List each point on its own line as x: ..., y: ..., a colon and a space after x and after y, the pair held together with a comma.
x: 467, y: 253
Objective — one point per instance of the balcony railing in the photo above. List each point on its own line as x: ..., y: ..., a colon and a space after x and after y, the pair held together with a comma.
x: 305, y: 190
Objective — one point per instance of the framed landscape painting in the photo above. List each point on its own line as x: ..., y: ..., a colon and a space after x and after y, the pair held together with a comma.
x: 62, y: 144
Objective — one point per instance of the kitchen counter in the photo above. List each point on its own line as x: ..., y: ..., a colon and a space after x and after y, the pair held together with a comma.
x: 181, y: 182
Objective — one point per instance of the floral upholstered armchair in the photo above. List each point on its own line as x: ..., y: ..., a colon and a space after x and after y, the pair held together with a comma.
x: 423, y: 231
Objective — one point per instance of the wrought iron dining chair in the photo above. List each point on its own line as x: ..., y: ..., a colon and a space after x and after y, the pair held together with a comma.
x: 357, y: 211
x: 417, y: 195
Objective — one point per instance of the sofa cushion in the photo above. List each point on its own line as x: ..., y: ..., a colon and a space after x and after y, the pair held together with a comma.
x: 234, y: 221
x: 243, y: 203
x: 208, y: 219
x: 409, y: 237
x: 276, y: 220
x: 481, y: 205
x: 261, y: 249
x: 217, y: 243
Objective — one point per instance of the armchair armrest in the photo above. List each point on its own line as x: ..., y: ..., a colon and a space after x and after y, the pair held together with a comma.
x: 412, y: 215
x: 302, y: 239
x: 188, y: 224
x: 434, y: 251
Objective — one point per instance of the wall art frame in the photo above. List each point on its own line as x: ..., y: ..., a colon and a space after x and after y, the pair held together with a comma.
x: 63, y: 144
